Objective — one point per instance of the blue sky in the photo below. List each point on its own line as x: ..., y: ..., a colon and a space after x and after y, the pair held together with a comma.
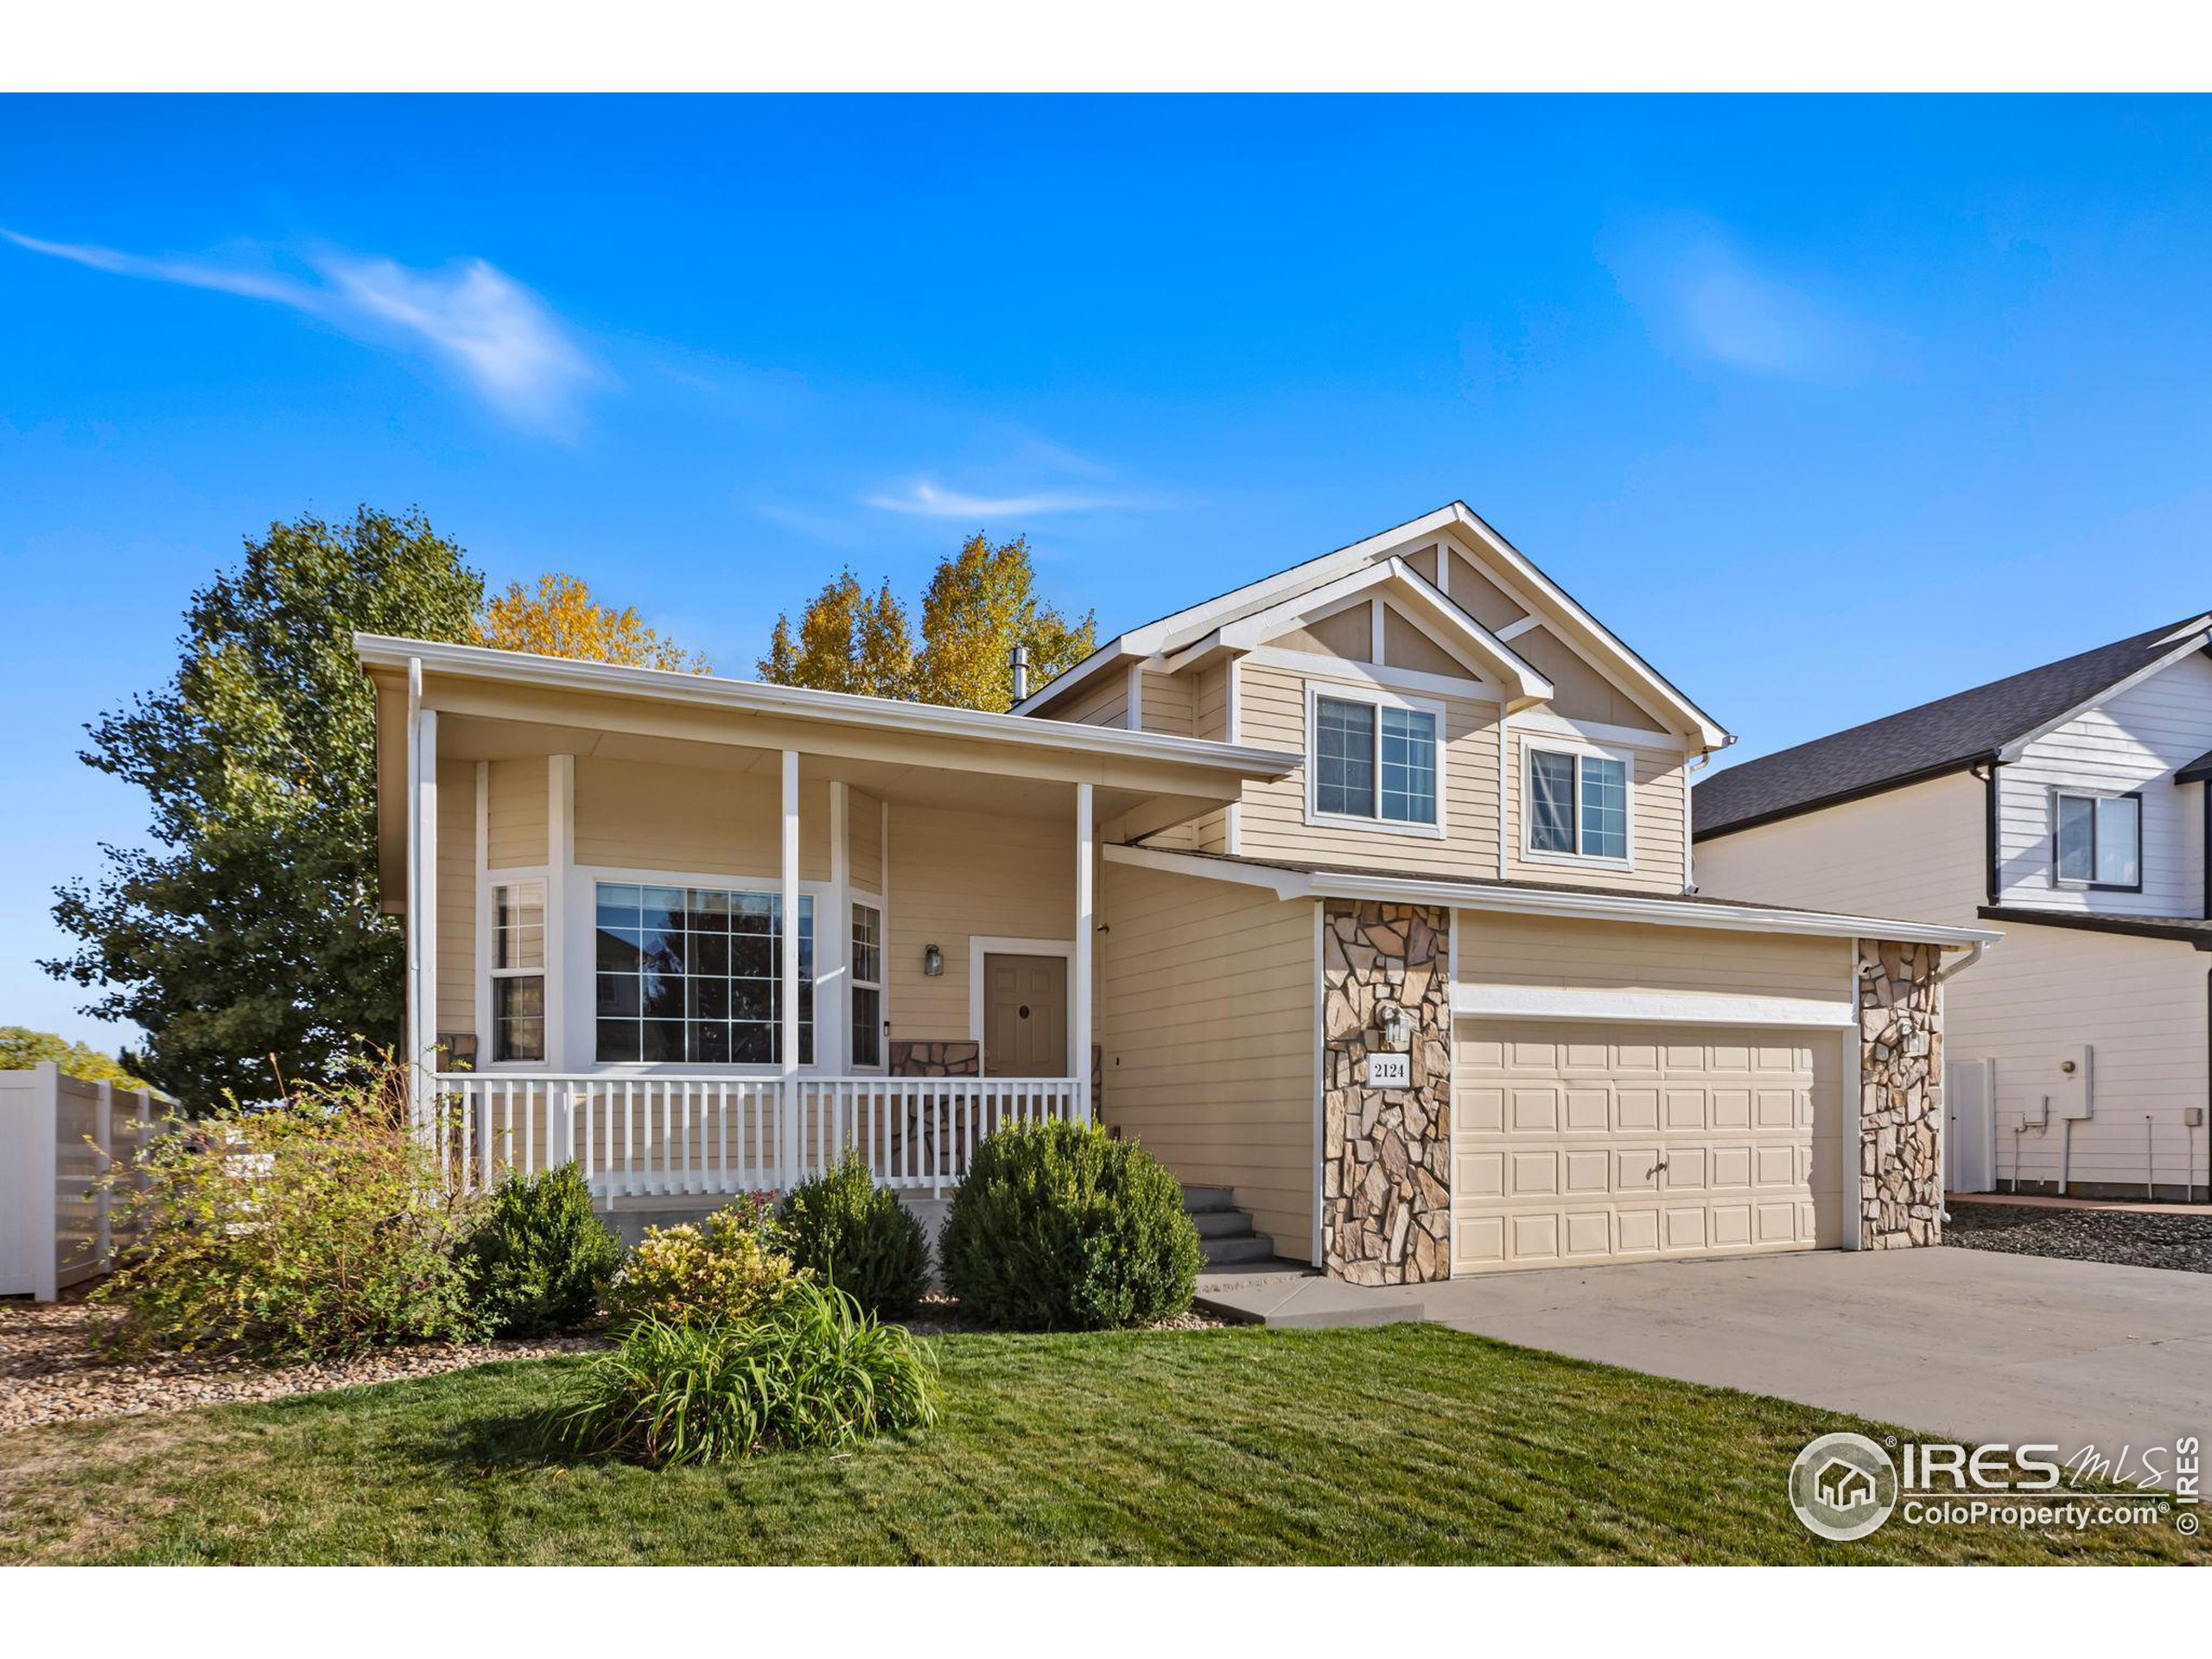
x: 1827, y: 406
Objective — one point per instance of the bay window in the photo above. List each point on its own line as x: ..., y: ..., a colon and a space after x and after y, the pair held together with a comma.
x: 518, y: 971
x: 868, y: 986
x: 693, y: 974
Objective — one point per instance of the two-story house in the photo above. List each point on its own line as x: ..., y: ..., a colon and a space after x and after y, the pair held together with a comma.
x: 1362, y: 894
x: 2068, y: 806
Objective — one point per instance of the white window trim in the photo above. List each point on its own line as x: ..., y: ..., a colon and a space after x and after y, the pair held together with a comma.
x: 980, y: 946
x: 1553, y: 743
x: 1376, y: 697
x: 2061, y: 793
x: 581, y: 966
x: 881, y: 987
x: 491, y: 877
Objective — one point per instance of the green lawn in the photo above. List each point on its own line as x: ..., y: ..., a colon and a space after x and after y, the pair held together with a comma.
x: 1406, y: 1443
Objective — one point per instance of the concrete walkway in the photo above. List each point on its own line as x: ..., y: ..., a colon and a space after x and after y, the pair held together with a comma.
x: 1970, y: 1344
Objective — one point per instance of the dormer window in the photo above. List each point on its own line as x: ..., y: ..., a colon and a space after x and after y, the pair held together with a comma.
x: 1374, y: 760
x: 2101, y: 842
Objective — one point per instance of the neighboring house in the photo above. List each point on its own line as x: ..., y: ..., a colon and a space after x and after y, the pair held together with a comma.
x: 2068, y: 807
x: 1362, y: 892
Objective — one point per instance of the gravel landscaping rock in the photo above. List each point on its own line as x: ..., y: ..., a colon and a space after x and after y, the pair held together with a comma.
x: 50, y: 1371
x: 2126, y: 1238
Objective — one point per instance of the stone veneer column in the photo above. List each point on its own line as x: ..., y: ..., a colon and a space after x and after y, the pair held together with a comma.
x: 1900, y: 1080
x: 1386, y: 1170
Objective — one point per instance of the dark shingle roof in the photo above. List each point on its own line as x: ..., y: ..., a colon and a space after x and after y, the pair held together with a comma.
x: 1946, y: 736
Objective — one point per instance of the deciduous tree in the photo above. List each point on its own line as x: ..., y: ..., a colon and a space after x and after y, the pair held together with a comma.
x: 22, y: 1048
x: 562, y: 619
x: 846, y: 641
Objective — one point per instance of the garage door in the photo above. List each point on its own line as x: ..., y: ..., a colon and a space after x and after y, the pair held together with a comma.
x: 1585, y: 1143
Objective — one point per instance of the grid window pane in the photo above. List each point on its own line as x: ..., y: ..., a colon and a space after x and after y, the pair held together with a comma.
x: 693, y: 974
x: 868, y: 1026
x: 518, y: 1018
x: 2120, y: 842
x: 1409, y: 765
x: 519, y: 924
x: 2077, y: 838
x: 868, y: 944
x: 1604, y: 808
x: 1551, y: 801
x: 1343, y: 757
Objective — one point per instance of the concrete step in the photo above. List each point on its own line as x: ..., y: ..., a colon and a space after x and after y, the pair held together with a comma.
x: 1221, y: 1224
x: 1198, y: 1200
x: 1251, y: 1246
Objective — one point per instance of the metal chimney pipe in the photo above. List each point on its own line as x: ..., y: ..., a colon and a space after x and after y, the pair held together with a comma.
x: 1020, y: 673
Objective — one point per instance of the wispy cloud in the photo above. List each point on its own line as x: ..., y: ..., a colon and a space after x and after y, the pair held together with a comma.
x: 927, y: 499
x: 1703, y: 296
x: 500, y: 339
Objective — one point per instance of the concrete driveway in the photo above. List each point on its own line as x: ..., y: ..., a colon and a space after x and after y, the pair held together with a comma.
x: 1969, y: 1343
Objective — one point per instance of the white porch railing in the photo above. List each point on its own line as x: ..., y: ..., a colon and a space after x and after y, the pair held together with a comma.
x: 671, y: 1136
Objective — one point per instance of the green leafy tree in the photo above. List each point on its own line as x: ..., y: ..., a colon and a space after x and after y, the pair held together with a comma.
x: 981, y: 603
x: 250, y: 927
x: 21, y: 1048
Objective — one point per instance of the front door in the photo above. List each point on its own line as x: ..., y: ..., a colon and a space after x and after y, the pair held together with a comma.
x: 1025, y: 1016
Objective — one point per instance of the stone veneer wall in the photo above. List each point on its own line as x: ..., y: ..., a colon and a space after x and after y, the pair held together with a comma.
x: 1900, y: 1081
x: 913, y: 1059
x: 1386, y: 1154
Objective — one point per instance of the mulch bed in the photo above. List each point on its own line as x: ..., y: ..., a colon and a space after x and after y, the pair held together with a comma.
x: 51, y: 1372
x: 2126, y: 1238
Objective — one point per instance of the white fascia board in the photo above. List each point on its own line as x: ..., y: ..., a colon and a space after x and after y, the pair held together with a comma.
x: 2191, y: 644
x: 1657, y: 911
x: 1649, y: 1008
x: 1116, y: 650
x: 830, y: 707
x: 1710, y: 732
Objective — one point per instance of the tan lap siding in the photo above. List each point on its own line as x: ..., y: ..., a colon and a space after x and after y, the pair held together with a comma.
x: 865, y: 814
x: 1271, y: 714
x: 957, y: 875
x: 633, y: 815
x: 517, y: 817
x: 456, y: 896
x: 1208, y: 1030
x: 1104, y: 702
x: 1549, y: 952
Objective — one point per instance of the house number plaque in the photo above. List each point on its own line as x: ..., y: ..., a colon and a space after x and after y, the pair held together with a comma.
x: 1389, y: 1070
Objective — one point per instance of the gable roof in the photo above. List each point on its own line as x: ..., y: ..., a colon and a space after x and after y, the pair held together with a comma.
x: 1951, y: 735
x: 1180, y: 629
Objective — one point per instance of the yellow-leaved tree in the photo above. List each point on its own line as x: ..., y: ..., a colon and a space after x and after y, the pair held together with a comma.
x: 562, y: 619
x: 981, y: 603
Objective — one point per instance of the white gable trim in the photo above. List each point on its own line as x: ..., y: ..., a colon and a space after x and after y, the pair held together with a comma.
x: 2193, y: 644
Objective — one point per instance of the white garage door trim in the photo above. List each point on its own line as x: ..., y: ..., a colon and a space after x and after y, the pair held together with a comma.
x: 1647, y: 1007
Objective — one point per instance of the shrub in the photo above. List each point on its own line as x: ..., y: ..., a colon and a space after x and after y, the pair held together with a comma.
x: 1058, y: 1227
x: 539, y: 1260
x: 729, y: 1269
x: 845, y: 1229
x: 811, y: 1371
x: 319, y: 1227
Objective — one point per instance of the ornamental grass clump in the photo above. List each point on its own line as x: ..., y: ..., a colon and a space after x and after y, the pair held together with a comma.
x: 812, y: 1369
x: 847, y: 1232
x: 318, y: 1227
x: 540, y: 1260
x: 1059, y: 1227
x: 728, y: 1269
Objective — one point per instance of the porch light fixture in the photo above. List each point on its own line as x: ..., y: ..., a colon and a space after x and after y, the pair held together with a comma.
x: 932, y: 961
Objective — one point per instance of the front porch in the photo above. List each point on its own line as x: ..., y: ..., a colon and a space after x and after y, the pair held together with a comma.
x: 702, y: 937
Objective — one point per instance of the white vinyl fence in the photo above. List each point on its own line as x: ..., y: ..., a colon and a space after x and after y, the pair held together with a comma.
x: 57, y: 1135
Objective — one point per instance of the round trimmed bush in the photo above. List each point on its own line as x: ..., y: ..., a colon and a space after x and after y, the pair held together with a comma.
x: 851, y: 1233
x: 1060, y: 1228
x: 539, y: 1260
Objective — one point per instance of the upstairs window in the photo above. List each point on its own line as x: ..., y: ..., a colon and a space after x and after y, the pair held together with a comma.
x: 2101, y: 841
x: 1578, y: 805
x: 1375, y: 761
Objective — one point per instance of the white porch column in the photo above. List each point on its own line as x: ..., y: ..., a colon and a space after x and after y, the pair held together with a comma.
x: 1085, y: 903
x: 421, y: 1024
x: 787, y: 1042
x: 833, y: 943
x: 561, y: 863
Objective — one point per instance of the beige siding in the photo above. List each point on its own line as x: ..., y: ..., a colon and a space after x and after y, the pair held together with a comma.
x: 1210, y: 714
x: 1553, y: 953
x: 1579, y: 691
x: 456, y: 896
x: 864, y: 813
x: 2036, y: 1000
x: 1104, y: 701
x: 1167, y: 703
x: 1349, y: 633
x: 1209, y: 1037
x: 633, y: 815
x: 1481, y: 598
x: 955, y: 875
x: 1272, y: 713
x: 1661, y: 800
x: 520, y: 803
